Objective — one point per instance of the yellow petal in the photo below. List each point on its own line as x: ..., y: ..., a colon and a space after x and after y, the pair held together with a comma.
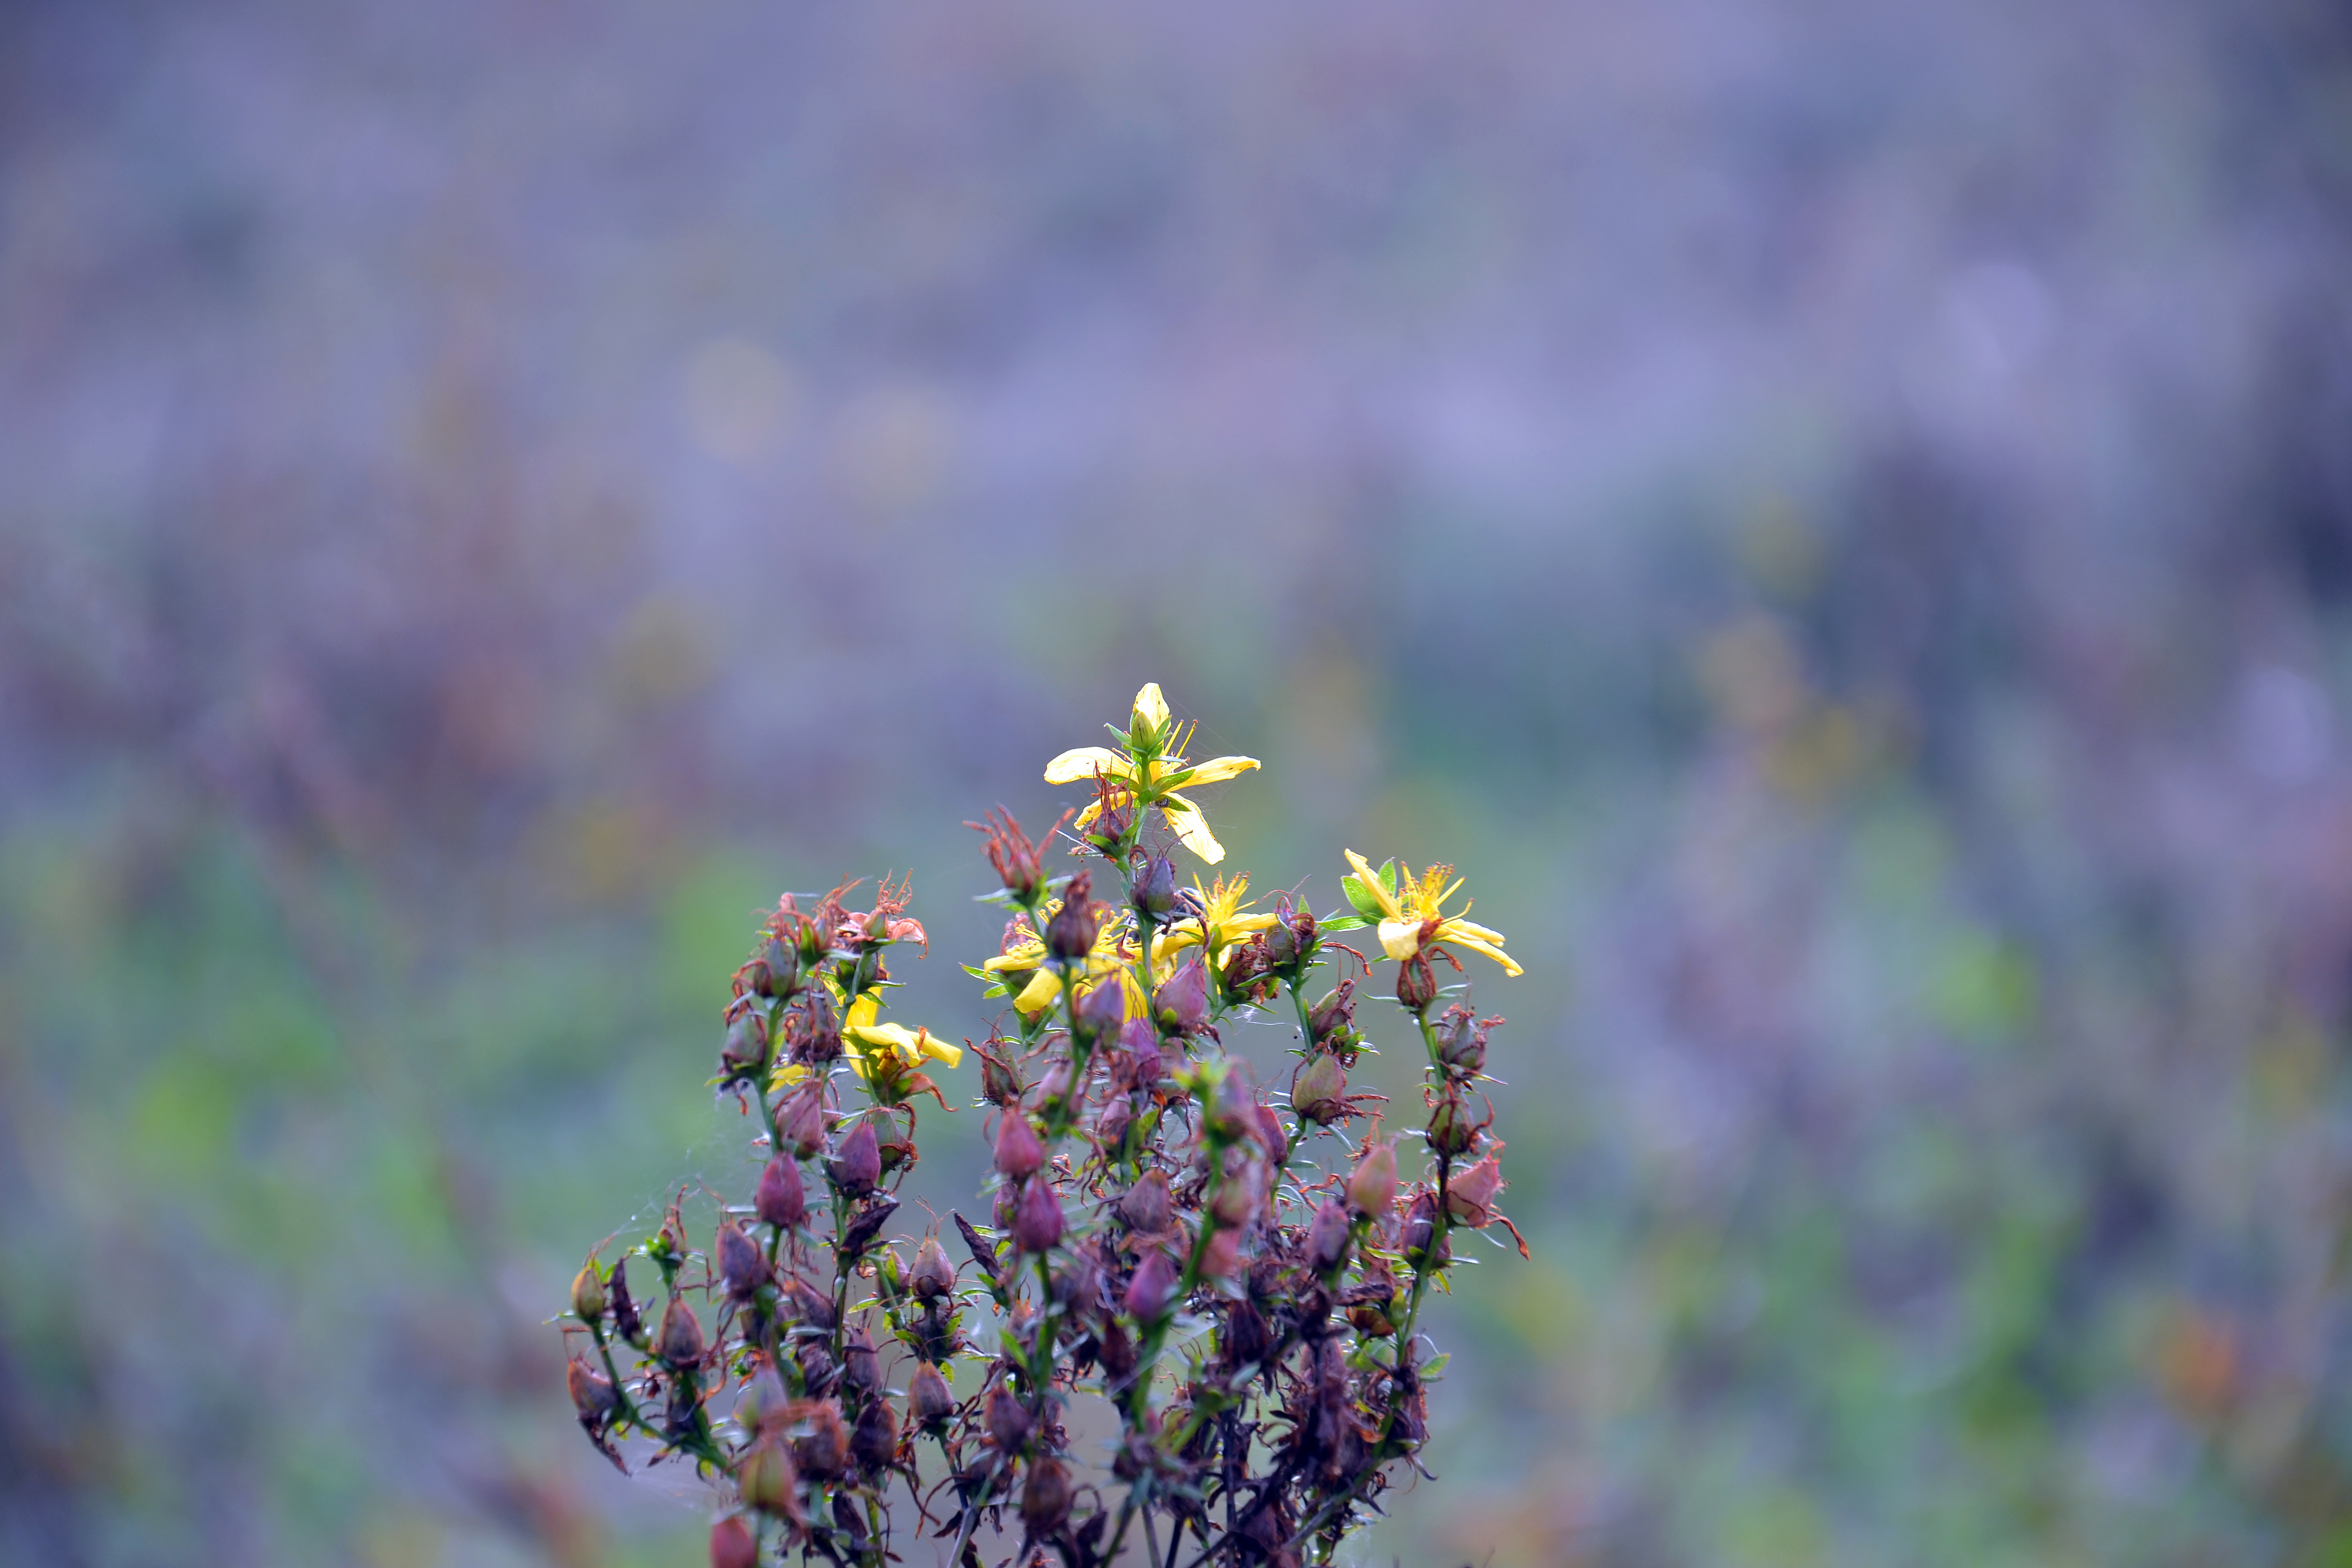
x: 1038, y: 994
x: 1401, y: 939
x: 1216, y: 769
x: 1026, y: 956
x: 1192, y: 827
x: 862, y: 1012
x: 1240, y: 926
x: 1083, y: 763
x: 1461, y: 937
x: 1152, y: 708
x: 938, y: 1050
x: 1372, y: 881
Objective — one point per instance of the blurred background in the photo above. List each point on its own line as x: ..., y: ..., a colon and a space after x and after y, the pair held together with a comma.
x: 1837, y: 517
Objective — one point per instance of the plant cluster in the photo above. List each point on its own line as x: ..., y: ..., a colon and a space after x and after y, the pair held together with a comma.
x: 1235, y: 1278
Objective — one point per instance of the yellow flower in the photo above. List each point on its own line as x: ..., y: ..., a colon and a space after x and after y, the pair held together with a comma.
x: 1151, y: 768
x: 1110, y: 953
x: 912, y: 1045
x: 1412, y: 918
x: 1221, y: 921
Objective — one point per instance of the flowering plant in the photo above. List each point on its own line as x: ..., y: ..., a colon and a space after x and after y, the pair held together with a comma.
x: 1239, y: 1281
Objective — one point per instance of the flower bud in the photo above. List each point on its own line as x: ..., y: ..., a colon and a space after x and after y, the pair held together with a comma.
x: 777, y: 971
x: 1152, y: 1289
x: 1335, y: 1013
x: 761, y: 1408
x: 999, y: 1080
x: 1470, y: 1196
x: 1119, y: 1356
x: 1037, y: 1216
x: 1326, y: 1238
x: 1070, y: 934
x: 1240, y: 1197
x: 1140, y: 1041
x: 1111, y: 1123
x: 1372, y: 1186
x: 819, y: 1039
x: 1008, y: 1420
x: 929, y: 1401
x: 1419, y: 1238
x: 874, y: 1442
x: 1281, y: 946
x: 1155, y: 888
x: 781, y: 1200
x: 896, y: 1146
x: 1018, y: 1153
x: 679, y: 1342
x: 1045, y: 1500
x: 1231, y: 1114
x: 800, y: 1121
x: 861, y: 1367
x: 1146, y: 1206
x: 732, y: 1546
x: 1416, y: 984
x: 824, y: 1451
x: 1265, y: 1124
x: 1103, y: 1008
x: 1221, y: 1258
x: 858, y: 1167
x: 1181, y: 1003
x: 1451, y: 1130
x: 1319, y: 1089
x: 592, y: 1394
x: 934, y: 1275
x: 741, y: 1263
x: 588, y: 1297
x: 1462, y: 1044
x: 764, y: 1476
x: 747, y: 1050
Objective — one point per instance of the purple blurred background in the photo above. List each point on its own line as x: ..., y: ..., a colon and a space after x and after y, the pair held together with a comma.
x: 1837, y: 518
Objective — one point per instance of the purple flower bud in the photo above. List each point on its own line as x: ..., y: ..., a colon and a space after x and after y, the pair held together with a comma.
x: 1046, y: 1499
x: 874, y: 1442
x: 1037, y: 1216
x: 1154, y: 893
x: 1070, y: 934
x: 1152, y: 1289
x: 1326, y: 1238
x: 1372, y: 1186
x: 732, y: 1545
x: 929, y: 1401
x: 934, y: 1275
x: 1319, y: 1091
x: 1146, y: 1206
x: 858, y: 1166
x: 800, y: 1122
x: 1181, y: 1003
x: 1018, y: 1153
x: 1102, y: 1009
x: 1139, y: 1040
x: 781, y: 1200
x: 741, y: 1264
x: 1008, y: 1420
x: 679, y: 1342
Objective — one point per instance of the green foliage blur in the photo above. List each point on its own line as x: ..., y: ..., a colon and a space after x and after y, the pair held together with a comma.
x: 1837, y: 523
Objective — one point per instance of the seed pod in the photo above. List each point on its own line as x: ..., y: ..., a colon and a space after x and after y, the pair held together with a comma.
x: 874, y: 1442
x: 1111, y: 1124
x: 1470, y: 1196
x: 999, y: 1080
x: 1416, y: 984
x: 812, y: 1306
x: 1118, y: 1352
x: 820, y: 1374
x: 1281, y: 946
x: 1140, y: 1041
x: 1419, y: 1240
x: 1326, y: 1238
x: 764, y: 1476
x: 777, y: 970
x: 732, y: 1546
x: 1070, y: 934
x: 681, y: 1340
x: 1154, y: 893
x: 1181, y: 1003
x: 861, y: 1368
x: 857, y: 1168
x: 818, y: 1040
x: 762, y: 1407
x: 800, y: 1121
x: 1037, y: 1217
x: 1241, y: 1196
x: 1018, y: 1153
x: 896, y: 1147
x: 1152, y: 1288
x: 1221, y: 1258
x: 1103, y: 1009
x: 929, y: 1402
x: 849, y: 1522
x: 1272, y: 1135
x: 741, y: 1263
x: 824, y: 1451
x: 1246, y: 1338
x: 1372, y: 1186
x: 1008, y: 1420
x: 592, y: 1394
x: 747, y: 1050
x: 1146, y: 1206
x: 588, y: 1298
x: 1462, y: 1044
x: 1319, y: 1089
x: 1335, y: 1014
x: 1451, y: 1131
x: 781, y: 1200
x: 934, y: 1275
x: 1045, y: 1500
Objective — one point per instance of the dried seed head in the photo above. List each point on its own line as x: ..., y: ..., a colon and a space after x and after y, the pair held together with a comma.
x: 732, y: 1546
x: 765, y: 1478
x: 1018, y: 1153
x: 777, y: 971
x: 679, y: 1342
x: 934, y: 1275
x: 1326, y: 1238
x: 874, y: 1442
x: 824, y: 1451
x: 1462, y: 1043
x: 1416, y: 984
x: 740, y: 1262
x: 1318, y: 1091
x: 999, y: 1080
x: 1181, y: 1003
x: 800, y: 1120
x: 1372, y: 1186
x: 1146, y: 1206
x: 588, y: 1297
x: 1037, y: 1216
x: 1336, y: 1014
x: 781, y: 1200
x: 1046, y: 1499
x: 929, y: 1401
x: 1008, y: 1420
x: 592, y: 1394
x: 861, y: 1368
x: 858, y: 1167
x: 1152, y: 1288
x: 1470, y: 1196
x: 1451, y: 1130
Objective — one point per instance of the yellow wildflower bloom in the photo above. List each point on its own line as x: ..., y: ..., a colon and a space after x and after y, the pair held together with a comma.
x: 1221, y: 921
x: 1110, y: 953
x: 1412, y: 918
x: 912, y: 1046
x: 1152, y: 768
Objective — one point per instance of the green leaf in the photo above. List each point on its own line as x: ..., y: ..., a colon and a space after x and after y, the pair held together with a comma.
x: 1359, y: 895
x: 1341, y: 922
